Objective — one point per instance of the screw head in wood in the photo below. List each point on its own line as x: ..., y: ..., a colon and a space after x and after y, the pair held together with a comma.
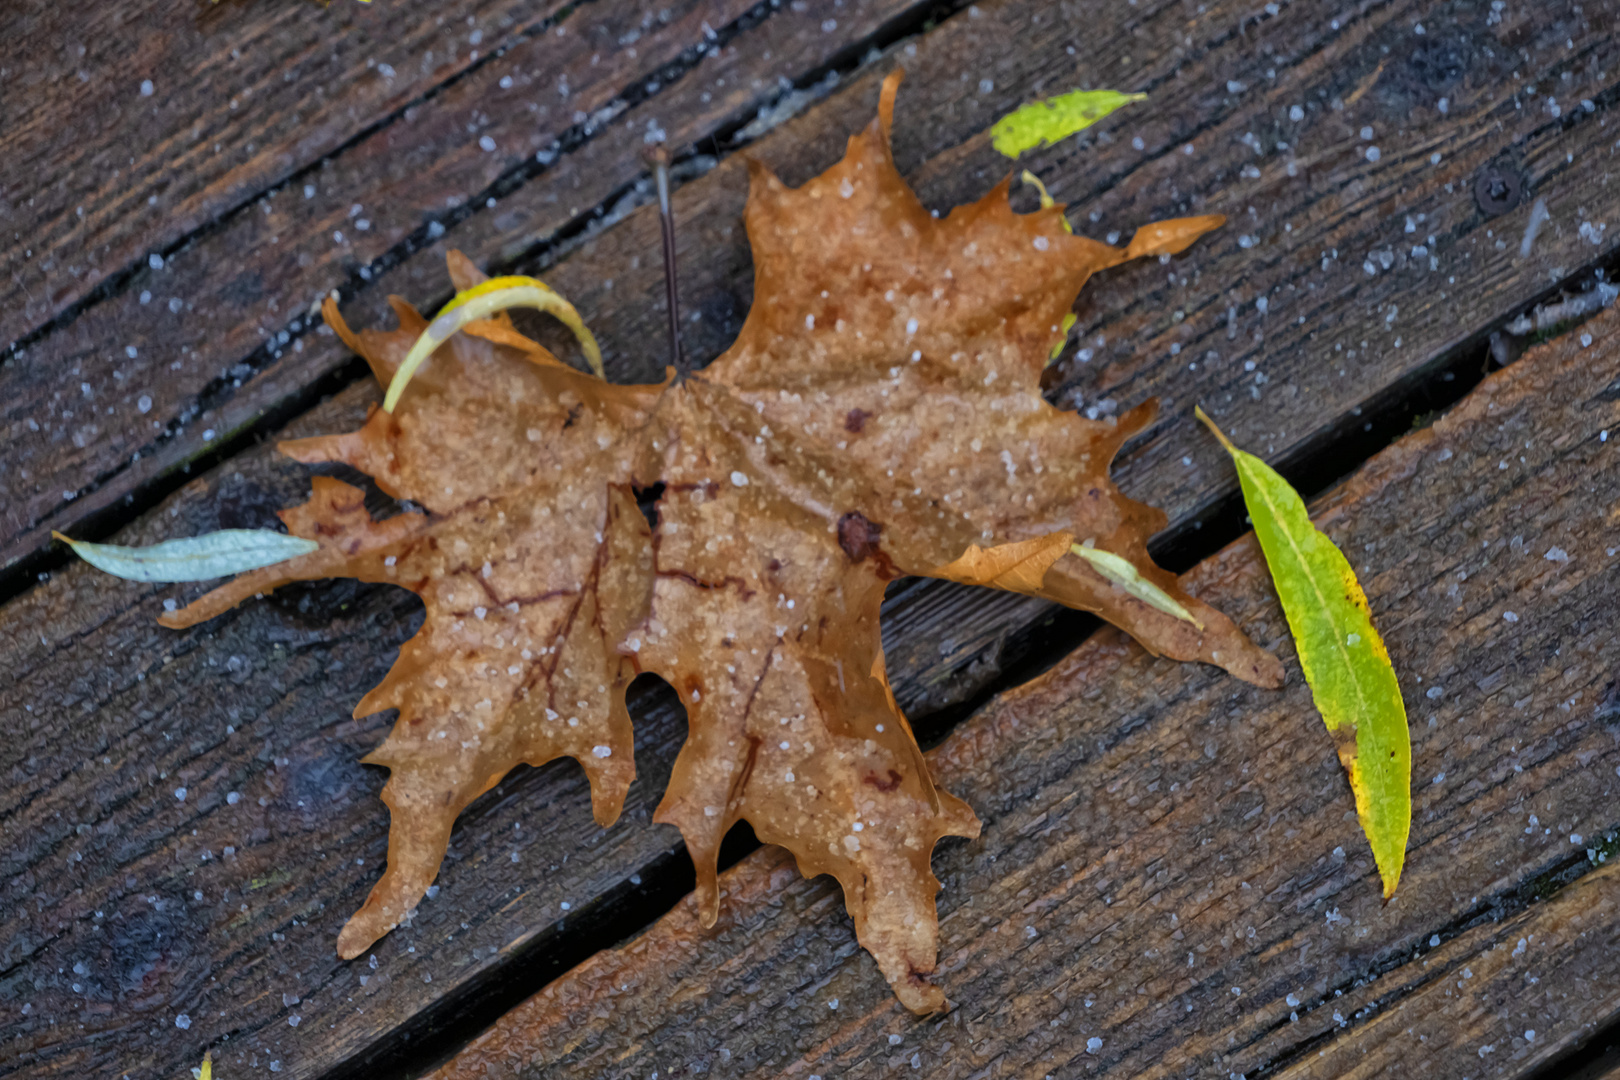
x: 1497, y: 190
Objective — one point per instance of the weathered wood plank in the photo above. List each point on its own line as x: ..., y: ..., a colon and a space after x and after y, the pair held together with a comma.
x: 114, y: 715
x: 1171, y: 880
x: 128, y: 907
x: 102, y: 169
x: 1320, y: 195
x: 191, y: 352
x: 1496, y: 1000
x: 511, y: 910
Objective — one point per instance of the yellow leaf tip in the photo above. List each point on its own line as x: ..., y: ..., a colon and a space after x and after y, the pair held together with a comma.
x: 1203, y: 417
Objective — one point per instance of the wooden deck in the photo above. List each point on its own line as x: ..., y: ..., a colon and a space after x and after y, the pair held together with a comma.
x: 1170, y: 883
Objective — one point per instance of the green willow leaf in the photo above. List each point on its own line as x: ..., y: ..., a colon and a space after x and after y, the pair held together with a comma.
x: 1055, y: 119
x: 195, y: 558
x: 1345, y: 663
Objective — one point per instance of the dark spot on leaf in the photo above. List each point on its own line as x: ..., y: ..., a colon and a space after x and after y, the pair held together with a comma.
x: 647, y: 502
x: 883, y: 784
x: 858, y: 536
x: 855, y: 422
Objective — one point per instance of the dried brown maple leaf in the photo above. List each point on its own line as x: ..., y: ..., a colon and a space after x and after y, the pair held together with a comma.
x: 879, y: 415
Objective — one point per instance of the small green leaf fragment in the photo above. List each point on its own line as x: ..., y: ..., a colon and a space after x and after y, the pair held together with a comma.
x: 196, y: 558
x: 1055, y: 119
x: 1124, y: 574
x: 1352, y: 681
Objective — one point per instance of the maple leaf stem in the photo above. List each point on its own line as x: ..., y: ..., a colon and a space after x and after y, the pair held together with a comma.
x: 659, y: 157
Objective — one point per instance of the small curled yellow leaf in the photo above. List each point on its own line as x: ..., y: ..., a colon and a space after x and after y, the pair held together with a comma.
x: 480, y: 302
x: 1047, y: 202
x: 1063, y: 336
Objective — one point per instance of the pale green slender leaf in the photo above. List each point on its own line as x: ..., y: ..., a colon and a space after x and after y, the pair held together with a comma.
x: 1345, y: 663
x: 195, y: 558
x: 1055, y: 119
x: 1122, y: 573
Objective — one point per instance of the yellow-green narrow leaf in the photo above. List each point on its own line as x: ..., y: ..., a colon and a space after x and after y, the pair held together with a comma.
x: 1351, y: 678
x: 1055, y: 119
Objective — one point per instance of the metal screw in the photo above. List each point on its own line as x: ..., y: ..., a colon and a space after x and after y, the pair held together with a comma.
x: 1497, y: 190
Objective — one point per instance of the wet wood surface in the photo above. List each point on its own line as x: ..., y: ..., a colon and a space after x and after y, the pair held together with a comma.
x: 1346, y: 277
x: 1171, y: 882
x: 1369, y: 269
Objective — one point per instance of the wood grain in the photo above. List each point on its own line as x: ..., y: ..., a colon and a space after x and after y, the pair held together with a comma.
x: 189, y: 353
x: 130, y: 128
x: 129, y: 906
x: 114, y: 715
x: 1171, y: 881
x: 1302, y: 231
x: 1499, y: 998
